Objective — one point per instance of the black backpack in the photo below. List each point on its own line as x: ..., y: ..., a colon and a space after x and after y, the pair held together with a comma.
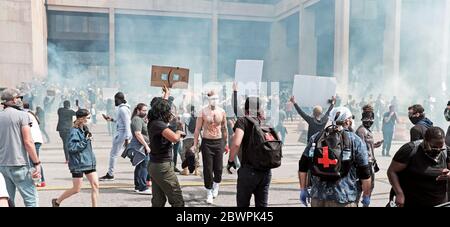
x: 264, y: 150
x: 331, y: 155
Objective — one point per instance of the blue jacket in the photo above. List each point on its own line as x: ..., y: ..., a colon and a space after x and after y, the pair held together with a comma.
x: 346, y: 190
x: 81, y: 156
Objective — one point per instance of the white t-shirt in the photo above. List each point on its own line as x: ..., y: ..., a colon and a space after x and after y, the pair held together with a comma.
x: 35, y: 130
x: 3, y: 191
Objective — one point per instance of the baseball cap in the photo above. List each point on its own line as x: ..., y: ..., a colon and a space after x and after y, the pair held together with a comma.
x: 10, y: 94
x: 82, y: 113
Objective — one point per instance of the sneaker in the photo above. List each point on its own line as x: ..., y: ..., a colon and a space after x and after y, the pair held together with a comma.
x: 145, y: 192
x: 185, y: 172
x: 209, y: 196
x: 41, y: 185
x: 107, y: 177
x: 54, y: 203
x: 215, y: 189
x: 176, y: 170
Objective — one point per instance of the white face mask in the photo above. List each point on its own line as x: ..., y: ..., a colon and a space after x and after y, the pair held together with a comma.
x: 213, y: 100
x: 88, y: 121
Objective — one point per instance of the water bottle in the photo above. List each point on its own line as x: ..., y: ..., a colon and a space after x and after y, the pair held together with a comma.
x: 311, y: 150
x: 346, y: 154
x: 36, y: 180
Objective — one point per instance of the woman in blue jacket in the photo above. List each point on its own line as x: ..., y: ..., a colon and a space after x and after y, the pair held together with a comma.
x: 81, y: 159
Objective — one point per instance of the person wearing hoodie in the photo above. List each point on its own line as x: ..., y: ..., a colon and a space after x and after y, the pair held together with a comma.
x: 123, y: 136
x: 416, y: 115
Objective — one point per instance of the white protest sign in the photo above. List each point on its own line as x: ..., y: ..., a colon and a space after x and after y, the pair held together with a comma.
x: 310, y: 91
x: 248, y: 75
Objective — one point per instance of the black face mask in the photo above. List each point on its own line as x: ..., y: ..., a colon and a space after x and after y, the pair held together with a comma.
x: 434, y: 152
x: 117, y: 102
x: 415, y: 120
x: 368, y: 124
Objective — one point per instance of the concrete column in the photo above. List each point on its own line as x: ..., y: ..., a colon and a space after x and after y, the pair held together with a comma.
x: 391, y: 44
x: 445, y: 46
x: 39, y: 38
x: 341, y: 45
x: 308, y: 42
x: 112, y: 47
x: 214, y: 41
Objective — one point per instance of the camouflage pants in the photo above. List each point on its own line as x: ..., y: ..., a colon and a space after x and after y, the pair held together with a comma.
x: 330, y: 203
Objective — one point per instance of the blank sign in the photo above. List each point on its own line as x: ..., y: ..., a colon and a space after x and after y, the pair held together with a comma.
x: 248, y: 75
x: 310, y: 91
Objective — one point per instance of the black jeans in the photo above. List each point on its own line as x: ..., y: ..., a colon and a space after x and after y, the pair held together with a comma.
x: 253, y: 182
x: 65, y: 139
x: 212, y: 155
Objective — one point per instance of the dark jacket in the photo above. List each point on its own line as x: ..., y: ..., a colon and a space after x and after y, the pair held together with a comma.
x: 65, y: 119
x: 418, y: 131
x: 81, y: 156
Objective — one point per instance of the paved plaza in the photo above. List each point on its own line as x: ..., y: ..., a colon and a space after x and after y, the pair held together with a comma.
x: 120, y: 193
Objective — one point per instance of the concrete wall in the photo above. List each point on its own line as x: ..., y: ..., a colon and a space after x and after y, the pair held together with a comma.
x: 22, y: 44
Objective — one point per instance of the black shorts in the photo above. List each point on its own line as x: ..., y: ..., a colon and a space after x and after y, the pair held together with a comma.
x: 80, y: 174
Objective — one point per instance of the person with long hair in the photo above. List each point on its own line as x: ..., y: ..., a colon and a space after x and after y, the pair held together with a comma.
x: 165, y: 185
x: 81, y: 159
x: 139, y: 145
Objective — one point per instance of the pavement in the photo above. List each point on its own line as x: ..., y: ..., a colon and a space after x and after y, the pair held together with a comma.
x: 120, y: 193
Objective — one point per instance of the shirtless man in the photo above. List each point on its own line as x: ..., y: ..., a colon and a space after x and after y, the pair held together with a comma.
x: 212, y: 121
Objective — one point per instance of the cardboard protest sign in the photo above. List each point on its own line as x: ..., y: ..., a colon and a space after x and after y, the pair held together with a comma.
x: 310, y: 91
x: 248, y: 75
x: 172, y: 77
x: 51, y: 93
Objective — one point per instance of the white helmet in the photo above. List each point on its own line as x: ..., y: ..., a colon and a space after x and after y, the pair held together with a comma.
x: 339, y: 114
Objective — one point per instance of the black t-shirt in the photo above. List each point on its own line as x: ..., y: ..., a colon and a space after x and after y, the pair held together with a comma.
x: 418, y: 180
x: 244, y: 124
x: 161, y: 148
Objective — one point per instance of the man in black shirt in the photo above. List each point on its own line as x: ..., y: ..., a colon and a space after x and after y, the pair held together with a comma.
x: 317, y: 122
x: 250, y: 180
x: 65, y: 120
x: 416, y: 115
x: 419, y: 171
